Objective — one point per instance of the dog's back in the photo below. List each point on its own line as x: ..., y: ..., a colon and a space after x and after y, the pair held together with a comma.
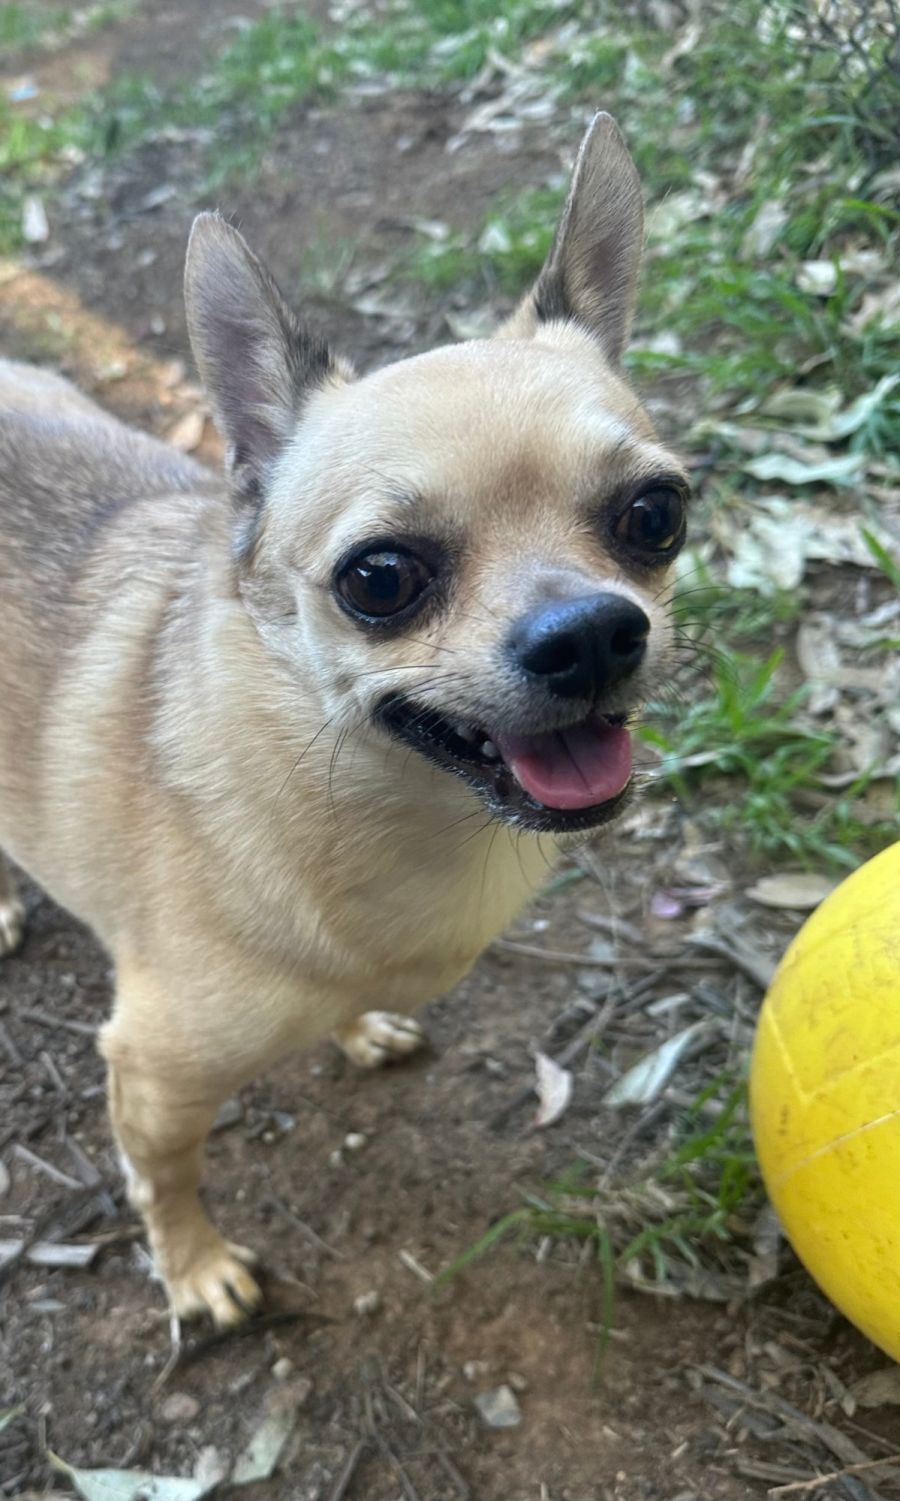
x: 66, y: 466
x: 71, y: 478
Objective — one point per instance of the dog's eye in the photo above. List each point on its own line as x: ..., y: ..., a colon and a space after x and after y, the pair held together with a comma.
x: 383, y: 583
x: 653, y: 522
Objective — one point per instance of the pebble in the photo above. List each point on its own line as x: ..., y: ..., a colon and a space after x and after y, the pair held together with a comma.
x: 354, y: 1141
x: 211, y: 1467
x: 229, y: 1115
x: 179, y: 1407
x: 369, y: 1302
x: 498, y: 1408
x: 517, y: 1381
x: 283, y: 1368
x: 473, y: 1370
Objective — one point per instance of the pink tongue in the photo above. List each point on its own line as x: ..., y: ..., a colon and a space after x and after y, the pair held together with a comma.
x: 574, y: 768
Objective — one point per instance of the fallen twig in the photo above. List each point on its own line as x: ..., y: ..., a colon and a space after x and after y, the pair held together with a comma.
x: 47, y: 1253
x: 560, y: 956
x: 409, y: 1489
x: 797, y: 1486
x: 755, y: 966
x: 25, y: 1154
x: 414, y: 1266
x: 45, y: 1019
x: 342, y: 1484
x: 593, y: 1028
x: 10, y: 1049
x: 305, y: 1229
x: 826, y: 1434
x: 207, y: 1342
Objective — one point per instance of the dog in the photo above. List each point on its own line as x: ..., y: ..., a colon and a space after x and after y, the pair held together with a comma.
x: 297, y: 744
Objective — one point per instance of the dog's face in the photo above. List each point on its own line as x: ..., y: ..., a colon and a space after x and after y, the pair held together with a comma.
x: 466, y: 553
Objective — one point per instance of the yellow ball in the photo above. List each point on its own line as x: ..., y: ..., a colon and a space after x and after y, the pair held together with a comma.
x: 825, y: 1097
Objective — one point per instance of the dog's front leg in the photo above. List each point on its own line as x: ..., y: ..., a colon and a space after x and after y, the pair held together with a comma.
x: 377, y: 1037
x: 162, y: 1107
x: 12, y: 913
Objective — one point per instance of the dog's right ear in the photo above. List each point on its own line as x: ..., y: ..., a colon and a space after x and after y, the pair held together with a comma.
x: 591, y: 275
x: 256, y: 361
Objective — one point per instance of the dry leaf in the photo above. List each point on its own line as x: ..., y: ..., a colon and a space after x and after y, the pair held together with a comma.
x: 770, y: 220
x: 820, y: 662
x: 646, y: 1080
x: 472, y: 323
x: 878, y: 1389
x: 187, y: 434
x: 800, y: 890
x: 767, y: 1237
x: 841, y: 469
x: 554, y: 1089
x: 267, y: 1444
x: 130, y: 1485
x: 816, y: 405
x: 770, y: 548
x: 817, y: 277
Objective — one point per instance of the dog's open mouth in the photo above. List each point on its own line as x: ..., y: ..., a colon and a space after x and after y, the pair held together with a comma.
x: 562, y: 779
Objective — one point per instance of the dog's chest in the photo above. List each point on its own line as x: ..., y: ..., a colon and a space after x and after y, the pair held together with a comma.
x: 409, y: 931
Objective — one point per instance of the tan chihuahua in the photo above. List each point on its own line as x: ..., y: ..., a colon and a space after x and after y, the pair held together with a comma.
x: 299, y: 746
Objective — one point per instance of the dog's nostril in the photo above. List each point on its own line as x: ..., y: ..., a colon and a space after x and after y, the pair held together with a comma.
x: 552, y: 655
x: 627, y: 639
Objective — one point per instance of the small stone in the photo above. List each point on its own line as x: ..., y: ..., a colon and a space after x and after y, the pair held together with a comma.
x: 354, y: 1141
x: 35, y: 229
x: 229, y: 1115
x: 517, y: 1381
x: 210, y: 1467
x: 179, y: 1407
x: 473, y: 1370
x: 498, y: 1408
x: 283, y: 1368
x: 369, y: 1302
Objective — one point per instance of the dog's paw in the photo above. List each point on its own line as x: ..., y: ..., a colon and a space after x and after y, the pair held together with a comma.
x: 12, y: 924
x: 217, y: 1283
x: 380, y: 1036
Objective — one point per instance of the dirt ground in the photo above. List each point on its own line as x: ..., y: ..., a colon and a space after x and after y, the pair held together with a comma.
x: 354, y: 1185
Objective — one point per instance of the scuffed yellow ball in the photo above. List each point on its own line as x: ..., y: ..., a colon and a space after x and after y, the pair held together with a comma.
x: 825, y: 1097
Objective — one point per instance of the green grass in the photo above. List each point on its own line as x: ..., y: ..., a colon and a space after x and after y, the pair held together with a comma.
x: 26, y: 26
x: 744, y: 322
x: 653, y: 1228
x: 23, y: 26
x: 744, y: 729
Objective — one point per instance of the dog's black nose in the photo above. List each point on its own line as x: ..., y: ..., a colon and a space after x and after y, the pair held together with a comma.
x: 577, y: 647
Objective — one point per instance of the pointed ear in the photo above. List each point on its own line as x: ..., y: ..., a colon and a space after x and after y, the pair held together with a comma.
x: 591, y: 273
x: 256, y: 361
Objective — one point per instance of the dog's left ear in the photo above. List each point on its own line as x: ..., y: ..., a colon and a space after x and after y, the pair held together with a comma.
x: 257, y: 362
x: 591, y: 274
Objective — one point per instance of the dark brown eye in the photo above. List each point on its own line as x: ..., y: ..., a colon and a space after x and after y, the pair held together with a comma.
x: 383, y: 583
x: 653, y: 522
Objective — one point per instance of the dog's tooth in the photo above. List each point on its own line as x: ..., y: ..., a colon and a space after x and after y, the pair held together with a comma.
x: 489, y: 750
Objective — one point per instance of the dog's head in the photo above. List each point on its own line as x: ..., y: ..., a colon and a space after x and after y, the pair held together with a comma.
x: 466, y: 553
